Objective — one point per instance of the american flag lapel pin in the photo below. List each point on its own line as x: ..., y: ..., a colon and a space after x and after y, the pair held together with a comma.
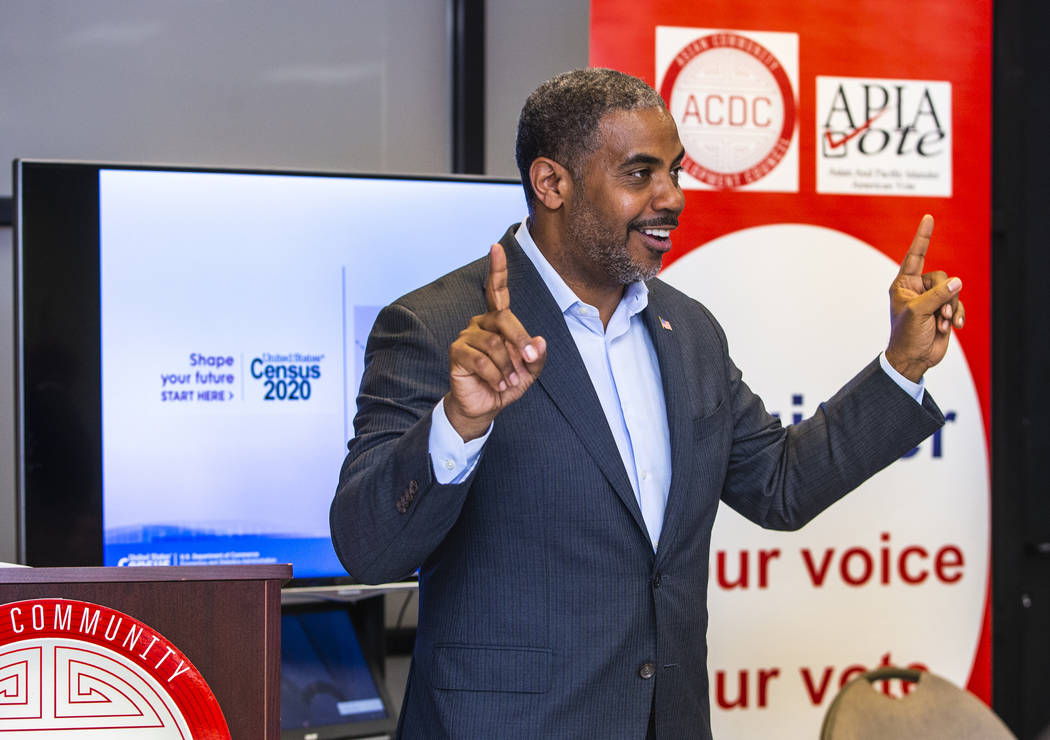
x: 665, y: 323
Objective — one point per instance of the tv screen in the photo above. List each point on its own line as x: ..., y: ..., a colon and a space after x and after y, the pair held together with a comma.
x: 191, y: 343
x: 329, y: 689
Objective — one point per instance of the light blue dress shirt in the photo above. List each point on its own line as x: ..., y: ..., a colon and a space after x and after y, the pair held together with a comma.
x: 625, y: 372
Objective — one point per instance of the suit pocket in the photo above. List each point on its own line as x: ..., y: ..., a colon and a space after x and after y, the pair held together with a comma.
x: 705, y: 426
x: 490, y: 668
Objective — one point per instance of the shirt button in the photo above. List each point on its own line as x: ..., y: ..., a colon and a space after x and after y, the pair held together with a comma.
x: 449, y: 464
x: 647, y: 671
x: 645, y: 475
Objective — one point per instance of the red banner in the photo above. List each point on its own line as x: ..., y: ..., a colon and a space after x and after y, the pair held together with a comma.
x: 817, y: 134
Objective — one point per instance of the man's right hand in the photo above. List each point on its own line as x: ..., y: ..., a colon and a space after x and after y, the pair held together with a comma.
x: 493, y: 361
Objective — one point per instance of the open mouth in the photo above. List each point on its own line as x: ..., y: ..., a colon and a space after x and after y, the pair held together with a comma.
x: 656, y: 238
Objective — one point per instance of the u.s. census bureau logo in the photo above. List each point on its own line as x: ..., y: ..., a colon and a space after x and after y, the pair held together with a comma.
x: 90, y: 671
x: 732, y: 94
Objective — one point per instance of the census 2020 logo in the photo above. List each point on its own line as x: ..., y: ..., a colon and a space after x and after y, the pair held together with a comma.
x: 884, y: 136
x: 88, y: 670
x: 733, y: 96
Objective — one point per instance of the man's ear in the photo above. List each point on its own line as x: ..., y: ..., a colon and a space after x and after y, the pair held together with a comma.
x: 551, y: 182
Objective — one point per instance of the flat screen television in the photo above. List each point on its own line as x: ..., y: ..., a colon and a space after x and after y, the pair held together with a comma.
x: 189, y: 346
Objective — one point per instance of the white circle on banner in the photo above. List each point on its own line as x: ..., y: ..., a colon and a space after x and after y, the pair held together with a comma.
x: 895, y: 572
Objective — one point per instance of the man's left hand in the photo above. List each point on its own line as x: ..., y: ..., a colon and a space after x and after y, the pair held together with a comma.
x: 923, y: 308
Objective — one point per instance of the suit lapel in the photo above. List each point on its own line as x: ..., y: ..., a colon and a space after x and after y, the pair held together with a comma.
x: 564, y: 377
x: 675, y: 383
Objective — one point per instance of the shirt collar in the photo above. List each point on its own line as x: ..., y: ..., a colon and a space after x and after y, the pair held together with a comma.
x: 635, y: 296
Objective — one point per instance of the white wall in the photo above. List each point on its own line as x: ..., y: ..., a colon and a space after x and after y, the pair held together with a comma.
x: 323, y: 85
x: 525, y: 44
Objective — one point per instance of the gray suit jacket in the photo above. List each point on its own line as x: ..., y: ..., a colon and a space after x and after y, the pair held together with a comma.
x: 544, y: 612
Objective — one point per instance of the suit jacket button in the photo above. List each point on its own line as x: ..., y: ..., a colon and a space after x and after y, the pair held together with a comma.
x: 647, y: 671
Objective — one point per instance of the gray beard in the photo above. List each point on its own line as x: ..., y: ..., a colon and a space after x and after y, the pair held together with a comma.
x: 618, y: 265
x: 604, y: 249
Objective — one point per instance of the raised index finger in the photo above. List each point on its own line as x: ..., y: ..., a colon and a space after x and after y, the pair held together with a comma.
x: 916, y: 256
x: 497, y: 296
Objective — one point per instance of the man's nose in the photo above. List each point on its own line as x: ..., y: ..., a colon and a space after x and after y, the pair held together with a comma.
x: 668, y: 196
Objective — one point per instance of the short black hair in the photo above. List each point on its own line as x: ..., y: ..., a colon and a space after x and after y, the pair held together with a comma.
x: 560, y: 118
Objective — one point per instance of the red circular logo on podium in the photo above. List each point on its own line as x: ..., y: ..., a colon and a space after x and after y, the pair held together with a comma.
x: 73, y: 666
x: 734, y: 106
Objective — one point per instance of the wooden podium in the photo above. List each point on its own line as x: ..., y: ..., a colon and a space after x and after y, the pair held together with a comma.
x: 224, y: 619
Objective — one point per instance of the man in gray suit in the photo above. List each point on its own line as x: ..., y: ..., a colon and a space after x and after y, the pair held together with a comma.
x: 546, y: 434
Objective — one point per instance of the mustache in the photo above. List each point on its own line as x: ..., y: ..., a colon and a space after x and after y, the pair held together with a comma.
x: 656, y: 223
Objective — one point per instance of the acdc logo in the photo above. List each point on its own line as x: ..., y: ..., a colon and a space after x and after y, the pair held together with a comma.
x: 74, y: 666
x: 735, y: 108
